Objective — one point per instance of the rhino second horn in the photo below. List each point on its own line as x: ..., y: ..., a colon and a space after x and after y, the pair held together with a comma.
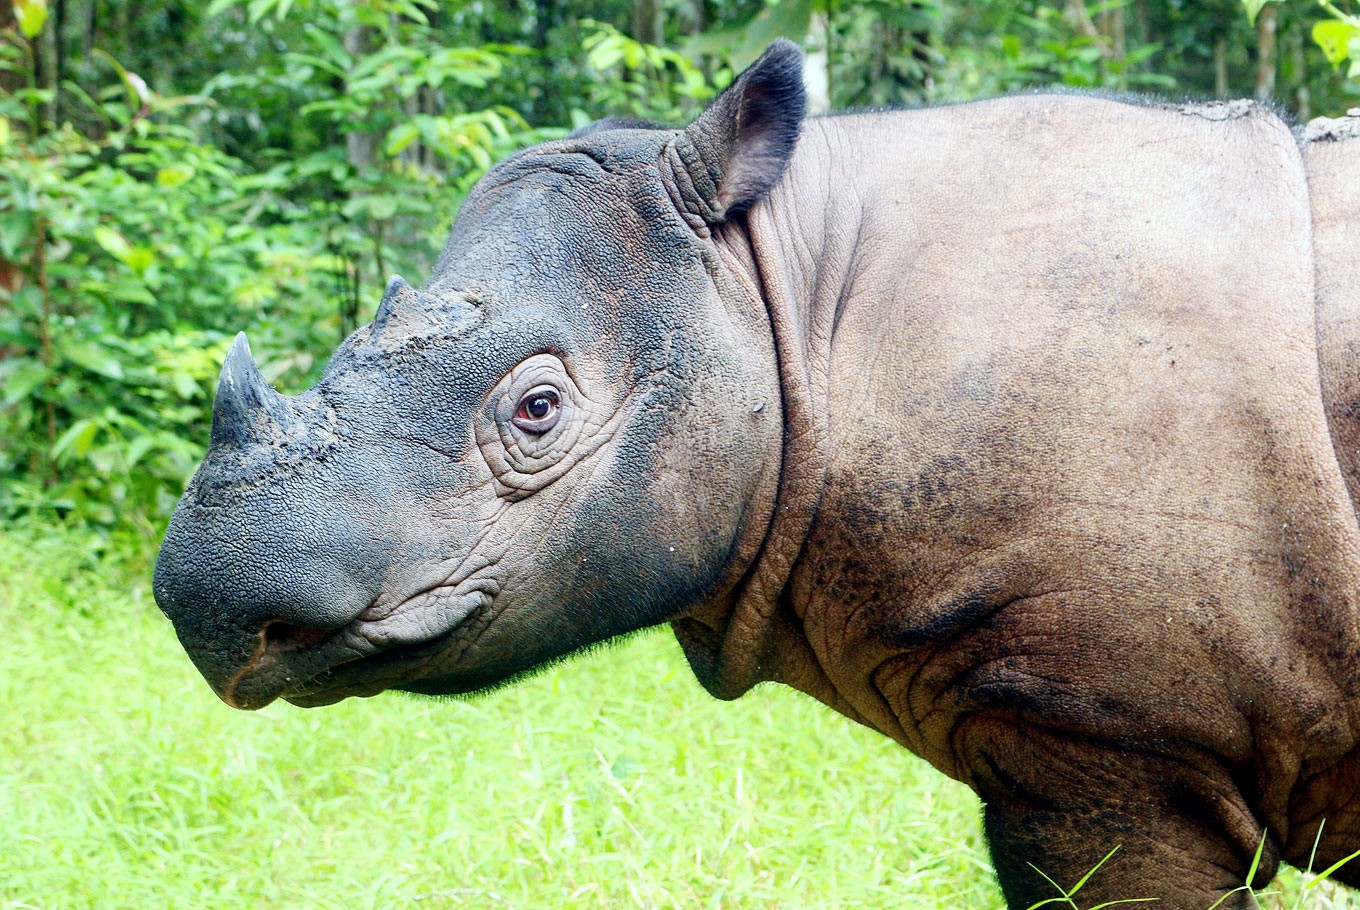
x: 397, y: 295
x: 406, y: 311
x: 246, y: 408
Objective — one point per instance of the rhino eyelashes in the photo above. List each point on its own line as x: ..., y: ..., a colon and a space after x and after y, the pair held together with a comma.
x: 539, y: 410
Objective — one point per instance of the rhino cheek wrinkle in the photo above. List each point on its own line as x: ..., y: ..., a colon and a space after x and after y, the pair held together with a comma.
x: 1046, y: 471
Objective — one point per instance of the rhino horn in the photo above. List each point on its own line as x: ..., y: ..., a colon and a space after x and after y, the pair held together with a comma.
x: 404, y: 311
x: 246, y: 408
x: 397, y: 295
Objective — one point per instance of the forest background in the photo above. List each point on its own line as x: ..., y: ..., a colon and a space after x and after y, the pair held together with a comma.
x: 173, y: 171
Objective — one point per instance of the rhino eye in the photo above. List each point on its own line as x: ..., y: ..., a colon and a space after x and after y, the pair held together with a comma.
x: 538, y: 410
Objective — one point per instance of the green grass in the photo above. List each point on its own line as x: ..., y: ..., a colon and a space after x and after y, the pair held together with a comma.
x: 611, y: 781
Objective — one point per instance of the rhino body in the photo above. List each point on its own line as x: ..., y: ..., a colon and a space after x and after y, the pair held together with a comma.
x: 1026, y: 432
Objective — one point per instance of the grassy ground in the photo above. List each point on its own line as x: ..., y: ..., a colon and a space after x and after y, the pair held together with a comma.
x: 613, y: 781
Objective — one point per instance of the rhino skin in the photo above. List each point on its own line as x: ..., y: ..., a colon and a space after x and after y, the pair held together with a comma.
x: 1024, y: 431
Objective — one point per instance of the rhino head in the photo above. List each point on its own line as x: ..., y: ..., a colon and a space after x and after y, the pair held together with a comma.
x: 572, y: 432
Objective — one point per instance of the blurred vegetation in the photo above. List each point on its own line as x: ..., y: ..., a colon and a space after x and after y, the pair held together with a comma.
x: 171, y: 172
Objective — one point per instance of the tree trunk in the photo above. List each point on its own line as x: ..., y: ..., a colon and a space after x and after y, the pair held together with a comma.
x: 1267, y: 24
x: 693, y: 18
x: 87, y: 39
x: 920, y: 52
x: 45, y: 75
x: 1112, y: 28
x: 1221, y: 68
x: 361, y: 151
x: 58, y: 55
x: 647, y: 21
x: 1298, y: 73
x: 545, y: 98
x: 360, y: 146
x: 1081, y: 20
x: 1141, y: 25
x: 9, y: 81
x: 817, y: 66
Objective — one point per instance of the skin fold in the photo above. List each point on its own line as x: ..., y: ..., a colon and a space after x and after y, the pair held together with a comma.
x: 1026, y: 432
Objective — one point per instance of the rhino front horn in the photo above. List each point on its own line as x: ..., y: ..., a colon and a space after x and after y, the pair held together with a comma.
x: 246, y: 409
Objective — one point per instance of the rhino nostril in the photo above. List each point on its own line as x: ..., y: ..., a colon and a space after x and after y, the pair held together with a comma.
x: 286, y: 636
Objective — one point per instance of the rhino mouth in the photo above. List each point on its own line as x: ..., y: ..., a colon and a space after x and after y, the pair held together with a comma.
x: 376, y: 651
x: 363, y: 677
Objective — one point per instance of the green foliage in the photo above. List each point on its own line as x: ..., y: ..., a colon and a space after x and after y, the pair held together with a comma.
x: 30, y: 16
x: 1339, y: 37
x: 136, y: 246
x: 195, y: 169
x: 1035, y: 44
x: 136, y: 255
x: 642, y: 80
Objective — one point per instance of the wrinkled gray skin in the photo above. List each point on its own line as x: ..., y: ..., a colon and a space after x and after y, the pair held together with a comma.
x: 1024, y: 432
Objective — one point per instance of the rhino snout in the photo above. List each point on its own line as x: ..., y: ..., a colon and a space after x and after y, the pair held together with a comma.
x: 255, y: 632
x: 263, y: 581
x: 333, y: 613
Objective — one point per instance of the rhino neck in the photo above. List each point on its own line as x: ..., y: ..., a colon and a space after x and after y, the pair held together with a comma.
x: 797, y: 245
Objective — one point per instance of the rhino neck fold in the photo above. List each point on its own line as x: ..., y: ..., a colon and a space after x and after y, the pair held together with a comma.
x: 800, y: 248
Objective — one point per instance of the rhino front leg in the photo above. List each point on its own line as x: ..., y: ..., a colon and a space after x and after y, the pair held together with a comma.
x: 1184, y: 836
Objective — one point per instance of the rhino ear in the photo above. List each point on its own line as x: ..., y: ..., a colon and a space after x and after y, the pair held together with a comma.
x: 737, y: 150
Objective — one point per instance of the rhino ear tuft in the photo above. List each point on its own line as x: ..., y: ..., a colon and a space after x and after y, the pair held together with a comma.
x: 743, y: 142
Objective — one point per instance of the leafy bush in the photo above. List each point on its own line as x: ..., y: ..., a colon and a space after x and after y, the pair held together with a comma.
x: 130, y: 252
x: 303, y: 151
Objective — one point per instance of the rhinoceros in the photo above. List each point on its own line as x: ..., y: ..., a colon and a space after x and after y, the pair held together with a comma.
x: 1024, y: 431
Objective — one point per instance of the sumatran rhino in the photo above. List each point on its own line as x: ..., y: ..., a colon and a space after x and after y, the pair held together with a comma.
x: 1026, y: 432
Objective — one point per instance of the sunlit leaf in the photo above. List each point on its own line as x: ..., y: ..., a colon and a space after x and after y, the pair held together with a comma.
x: 77, y: 440
x: 173, y: 175
x: 140, y: 259
x: 1254, y: 7
x: 16, y: 226
x: 330, y: 45
x: 1334, y: 37
x: 217, y: 7
x: 138, y: 448
x: 30, y: 15
x: 93, y: 358
x: 25, y: 376
x: 113, y: 243
x: 401, y: 136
